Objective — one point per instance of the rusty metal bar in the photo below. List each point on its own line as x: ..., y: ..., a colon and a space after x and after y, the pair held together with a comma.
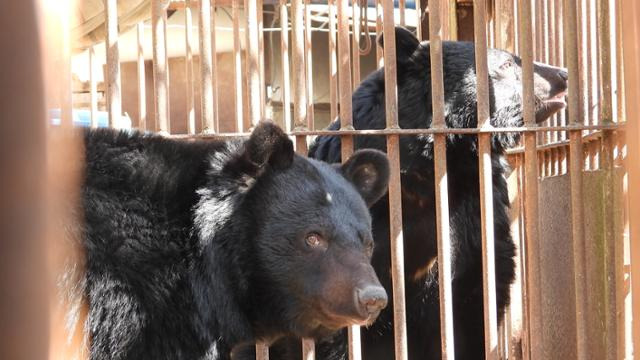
x: 113, y: 88
x: 188, y: 62
x: 355, y: 348
x: 614, y: 252
x: 142, y: 85
x: 237, y: 69
x: 308, y: 349
x: 262, y: 351
x: 395, y: 205
x: 299, y: 71
x: 344, y: 77
x: 570, y: 13
x: 379, y: 52
x: 24, y: 307
x: 253, y: 64
x: 620, y: 84
x: 263, y: 86
x: 333, y: 61
x: 486, y: 185
x: 418, y: 20
x: 206, y: 68
x: 66, y: 83
x: 531, y: 187
x: 160, y: 67
x: 93, y: 90
x: 441, y: 181
x: 308, y: 63
x: 355, y: 46
x: 631, y: 44
x: 402, y: 6
x: 284, y: 55
x: 214, y: 70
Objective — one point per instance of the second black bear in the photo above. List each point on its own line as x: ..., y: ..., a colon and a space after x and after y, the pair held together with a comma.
x: 195, y: 247
x: 418, y: 197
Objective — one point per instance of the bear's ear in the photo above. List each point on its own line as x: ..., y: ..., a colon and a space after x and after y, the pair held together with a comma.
x: 406, y: 43
x: 368, y: 171
x: 267, y: 145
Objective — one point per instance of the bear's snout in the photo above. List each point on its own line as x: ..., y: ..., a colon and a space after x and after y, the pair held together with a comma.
x: 371, y: 300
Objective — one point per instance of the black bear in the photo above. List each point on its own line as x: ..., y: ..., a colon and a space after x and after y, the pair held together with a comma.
x: 418, y: 197
x: 195, y: 247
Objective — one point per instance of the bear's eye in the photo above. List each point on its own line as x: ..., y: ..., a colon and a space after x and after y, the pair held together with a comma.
x: 315, y: 241
x: 506, y: 65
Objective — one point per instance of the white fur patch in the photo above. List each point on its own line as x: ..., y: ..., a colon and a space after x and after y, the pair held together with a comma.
x: 329, y: 198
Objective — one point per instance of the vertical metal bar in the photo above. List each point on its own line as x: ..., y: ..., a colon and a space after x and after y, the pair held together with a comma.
x: 114, y: 101
x: 142, y: 89
x: 504, y: 25
x: 24, y: 306
x: 575, y: 171
x: 263, y: 87
x: 308, y: 63
x: 613, y: 248
x: 379, y: 52
x: 402, y: 9
x: 253, y: 65
x: 531, y: 186
x: 188, y: 63
x: 592, y: 51
x: 206, y: 67
x: 214, y: 70
x: 308, y: 349
x: 418, y: 20
x: 452, y: 26
x: 395, y: 205
x: 344, y: 77
x: 262, y: 351
x: 160, y: 67
x: 237, y: 69
x: 526, y: 323
x: 299, y: 78
x: 284, y: 55
x: 631, y: 44
x: 486, y: 187
x: 442, y: 187
x: 93, y: 90
x: 355, y: 46
x: 620, y: 86
x: 355, y: 347
x: 333, y: 61
x: 66, y: 84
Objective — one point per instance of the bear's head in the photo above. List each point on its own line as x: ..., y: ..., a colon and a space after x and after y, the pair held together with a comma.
x: 306, y: 261
x: 505, y: 86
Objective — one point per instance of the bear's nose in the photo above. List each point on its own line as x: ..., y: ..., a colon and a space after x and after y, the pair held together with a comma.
x: 563, y: 74
x: 372, y: 299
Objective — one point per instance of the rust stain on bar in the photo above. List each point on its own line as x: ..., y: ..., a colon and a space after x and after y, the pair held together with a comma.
x: 253, y: 65
x: 114, y: 96
x: 299, y: 79
x: 284, y: 55
x: 206, y: 67
x: 237, y: 69
x: 142, y: 89
x: 395, y: 205
x: 441, y: 181
x: 575, y: 107
x: 188, y: 40
x: 93, y: 92
x: 486, y: 186
x: 160, y: 67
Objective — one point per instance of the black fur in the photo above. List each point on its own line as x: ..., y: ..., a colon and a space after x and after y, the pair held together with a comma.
x: 195, y: 247
x: 418, y: 198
